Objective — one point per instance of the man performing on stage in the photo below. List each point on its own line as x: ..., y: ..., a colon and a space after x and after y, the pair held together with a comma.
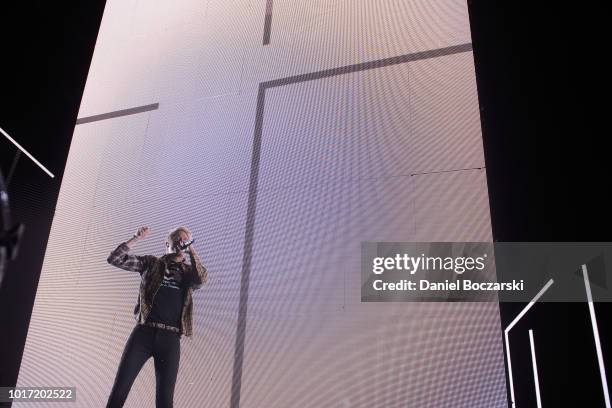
x: 163, y: 312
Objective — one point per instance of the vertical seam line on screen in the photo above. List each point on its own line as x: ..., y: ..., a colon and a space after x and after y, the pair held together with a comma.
x: 254, y: 176
x: 140, y: 156
x: 411, y: 181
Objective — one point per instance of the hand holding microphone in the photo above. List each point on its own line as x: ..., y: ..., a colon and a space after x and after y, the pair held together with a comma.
x: 183, y: 245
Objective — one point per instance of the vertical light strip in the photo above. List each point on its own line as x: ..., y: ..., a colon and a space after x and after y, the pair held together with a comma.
x: 602, y: 367
x: 509, y: 367
x: 510, y: 326
x: 26, y: 153
x: 535, y: 369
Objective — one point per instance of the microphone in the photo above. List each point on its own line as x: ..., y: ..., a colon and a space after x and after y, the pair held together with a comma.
x: 186, y: 244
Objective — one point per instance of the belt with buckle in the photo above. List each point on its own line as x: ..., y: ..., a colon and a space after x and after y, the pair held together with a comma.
x: 161, y: 326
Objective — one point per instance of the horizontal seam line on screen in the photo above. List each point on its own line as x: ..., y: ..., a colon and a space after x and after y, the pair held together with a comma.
x: 445, y: 171
x: 118, y: 113
x: 354, y: 180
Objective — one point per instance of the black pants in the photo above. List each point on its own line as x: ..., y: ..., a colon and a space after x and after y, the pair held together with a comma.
x: 144, y: 342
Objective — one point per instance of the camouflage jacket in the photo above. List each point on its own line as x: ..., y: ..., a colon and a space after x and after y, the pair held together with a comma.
x: 151, y: 269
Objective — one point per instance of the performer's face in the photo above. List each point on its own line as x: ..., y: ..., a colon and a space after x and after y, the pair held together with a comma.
x: 176, y: 245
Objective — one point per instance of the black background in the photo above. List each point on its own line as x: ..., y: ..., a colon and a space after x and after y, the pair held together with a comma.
x: 46, y: 49
x: 539, y: 73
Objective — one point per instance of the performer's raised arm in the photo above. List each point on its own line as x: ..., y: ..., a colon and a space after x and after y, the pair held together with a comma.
x: 121, y: 258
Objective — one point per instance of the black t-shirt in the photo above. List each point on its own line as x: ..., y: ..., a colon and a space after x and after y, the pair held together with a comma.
x: 168, y: 301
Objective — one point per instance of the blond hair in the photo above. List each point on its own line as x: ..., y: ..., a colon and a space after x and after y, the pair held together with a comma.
x: 174, y: 235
